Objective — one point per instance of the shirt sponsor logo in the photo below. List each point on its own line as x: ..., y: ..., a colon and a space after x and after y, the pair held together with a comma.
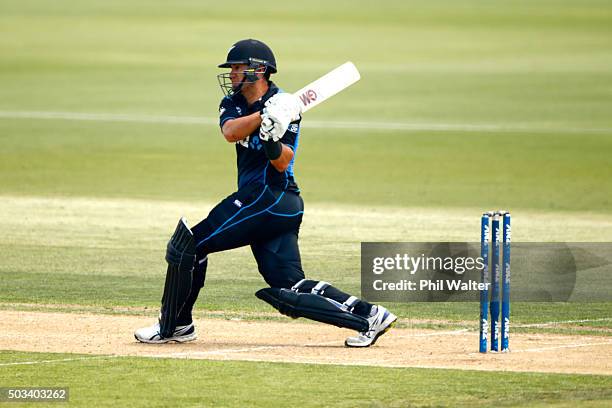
x: 293, y: 128
x: 255, y: 143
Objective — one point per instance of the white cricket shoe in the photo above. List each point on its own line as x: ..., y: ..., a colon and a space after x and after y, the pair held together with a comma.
x: 380, y: 322
x: 152, y: 334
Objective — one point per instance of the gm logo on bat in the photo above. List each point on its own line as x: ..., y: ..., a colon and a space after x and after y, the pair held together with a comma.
x: 308, y: 97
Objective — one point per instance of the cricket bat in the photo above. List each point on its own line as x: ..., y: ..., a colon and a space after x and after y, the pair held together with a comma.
x: 327, y: 86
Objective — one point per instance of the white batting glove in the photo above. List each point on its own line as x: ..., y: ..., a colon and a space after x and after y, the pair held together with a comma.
x: 275, y: 121
x: 287, y: 102
x: 270, y: 129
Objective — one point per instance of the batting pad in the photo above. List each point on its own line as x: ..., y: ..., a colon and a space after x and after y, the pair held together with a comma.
x: 313, y: 307
x: 180, y: 255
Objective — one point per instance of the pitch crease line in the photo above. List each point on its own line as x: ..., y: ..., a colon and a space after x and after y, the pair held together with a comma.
x: 605, y: 319
x: 445, y: 333
x: 540, y: 349
x: 56, y: 361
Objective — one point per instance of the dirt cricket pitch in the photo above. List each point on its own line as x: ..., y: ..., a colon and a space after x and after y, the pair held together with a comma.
x: 298, y: 342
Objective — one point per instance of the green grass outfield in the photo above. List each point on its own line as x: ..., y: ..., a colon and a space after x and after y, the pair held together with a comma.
x: 191, y: 383
x: 108, y: 135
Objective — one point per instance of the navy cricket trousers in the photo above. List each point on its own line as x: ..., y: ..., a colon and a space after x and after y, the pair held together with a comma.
x: 264, y: 217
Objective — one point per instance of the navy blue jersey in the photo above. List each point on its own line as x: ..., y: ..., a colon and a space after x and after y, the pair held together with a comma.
x: 253, y: 165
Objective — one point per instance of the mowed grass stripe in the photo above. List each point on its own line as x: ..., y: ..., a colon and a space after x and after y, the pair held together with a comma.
x: 347, y: 125
x: 482, y: 170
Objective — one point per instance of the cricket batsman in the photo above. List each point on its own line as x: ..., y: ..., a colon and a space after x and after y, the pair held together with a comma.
x: 265, y: 213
